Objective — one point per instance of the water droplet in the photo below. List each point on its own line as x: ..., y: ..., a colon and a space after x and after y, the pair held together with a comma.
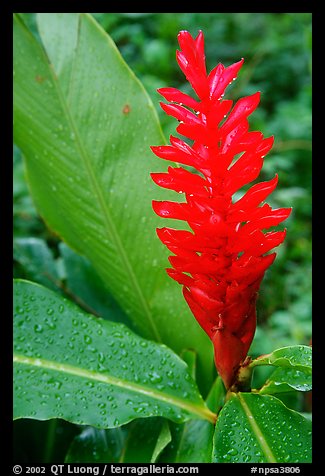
x: 154, y: 377
x: 38, y: 328
x: 117, y: 334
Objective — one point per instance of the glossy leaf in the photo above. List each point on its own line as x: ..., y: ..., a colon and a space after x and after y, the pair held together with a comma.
x: 84, y: 124
x: 71, y: 365
x: 286, y: 380
x: 163, y: 439
x: 295, y: 356
x: 255, y: 428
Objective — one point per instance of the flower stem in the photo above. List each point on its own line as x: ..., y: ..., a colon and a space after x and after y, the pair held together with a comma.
x: 243, y: 381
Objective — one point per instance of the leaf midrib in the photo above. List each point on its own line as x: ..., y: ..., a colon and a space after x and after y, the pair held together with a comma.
x: 202, y: 412
x: 108, y: 222
x: 270, y: 458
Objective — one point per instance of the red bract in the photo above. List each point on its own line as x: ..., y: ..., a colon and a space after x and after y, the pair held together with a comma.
x: 222, y: 261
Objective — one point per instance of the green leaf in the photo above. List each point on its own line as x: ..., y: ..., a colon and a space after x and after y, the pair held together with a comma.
x: 192, y: 441
x: 84, y: 124
x: 298, y: 357
x: 284, y: 379
x: 260, y: 429
x: 71, y: 365
x: 162, y: 441
x: 142, y: 444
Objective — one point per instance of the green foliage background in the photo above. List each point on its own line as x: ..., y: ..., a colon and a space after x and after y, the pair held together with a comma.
x: 277, y: 52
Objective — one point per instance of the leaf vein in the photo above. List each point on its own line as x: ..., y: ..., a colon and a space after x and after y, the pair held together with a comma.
x: 108, y: 222
x: 201, y: 411
x: 257, y: 431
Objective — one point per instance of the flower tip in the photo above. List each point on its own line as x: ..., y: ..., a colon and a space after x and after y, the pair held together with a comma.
x: 183, y: 36
x: 183, y: 33
x: 162, y: 91
x: 154, y: 148
x: 159, y: 231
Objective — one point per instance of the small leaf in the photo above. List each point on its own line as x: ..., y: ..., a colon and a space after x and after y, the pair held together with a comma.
x: 254, y: 428
x: 284, y: 379
x: 90, y: 371
x: 297, y: 356
x: 162, y: 441
x: 192, y: 441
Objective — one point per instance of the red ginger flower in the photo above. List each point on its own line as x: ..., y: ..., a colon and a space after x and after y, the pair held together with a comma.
x: 222, y: 263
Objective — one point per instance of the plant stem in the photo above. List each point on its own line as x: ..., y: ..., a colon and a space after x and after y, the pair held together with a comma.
x: 244, y: 375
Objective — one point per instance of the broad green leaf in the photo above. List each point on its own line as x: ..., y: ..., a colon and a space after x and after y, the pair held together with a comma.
x: 254, y: 428
x: 284, y: 379
x: 84, y: 124
x: 71, y: 365
x: 295, y: 356
x: 192, y: 441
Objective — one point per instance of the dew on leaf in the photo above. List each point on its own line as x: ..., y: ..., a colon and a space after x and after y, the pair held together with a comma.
x: 87, y: 339
x: 38, y: 328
